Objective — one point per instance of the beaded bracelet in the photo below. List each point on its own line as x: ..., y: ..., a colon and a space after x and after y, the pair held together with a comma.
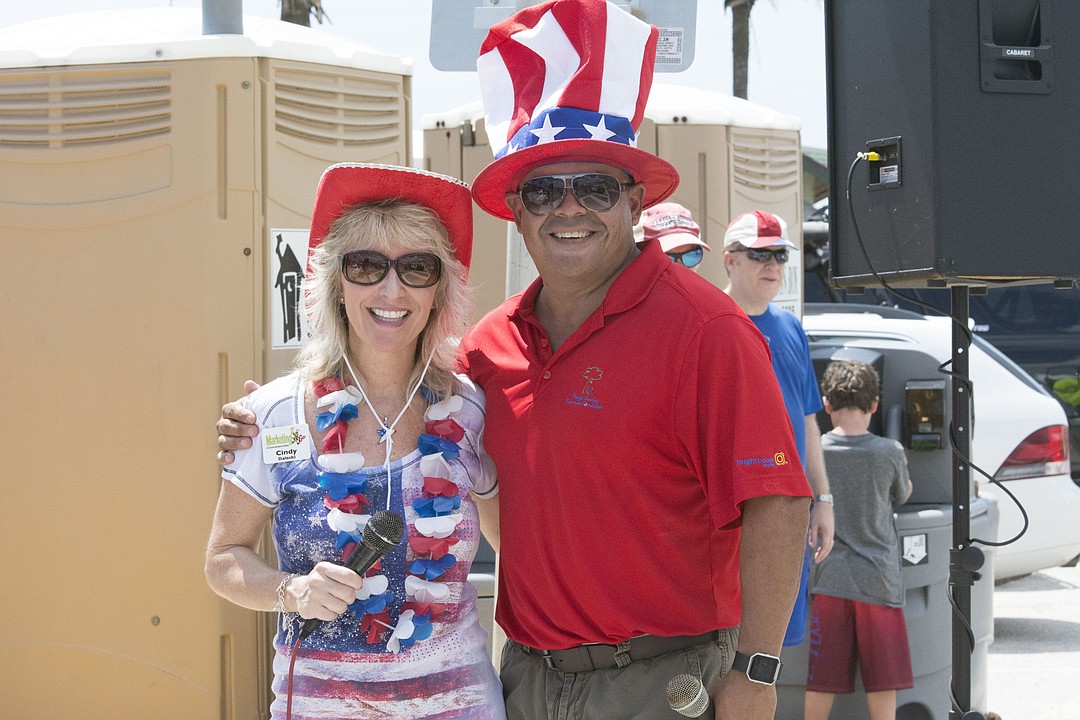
x: 279, y: 606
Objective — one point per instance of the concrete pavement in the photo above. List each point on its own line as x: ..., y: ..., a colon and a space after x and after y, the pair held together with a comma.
x: 1034, y: 667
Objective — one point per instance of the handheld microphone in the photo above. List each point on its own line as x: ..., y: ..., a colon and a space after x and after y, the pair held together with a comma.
x: 382, y: 534
x: 686, y: 695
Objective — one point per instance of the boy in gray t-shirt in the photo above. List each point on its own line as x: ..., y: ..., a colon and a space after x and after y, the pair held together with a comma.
x: 858, y: 589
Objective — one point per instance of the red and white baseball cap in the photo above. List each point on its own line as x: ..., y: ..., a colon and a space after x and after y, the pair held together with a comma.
x: 758, y: 229
x: 672, y: 225
x: 567, y: 81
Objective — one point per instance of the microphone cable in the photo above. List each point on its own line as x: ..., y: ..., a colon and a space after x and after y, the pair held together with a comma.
x: 289, y: 679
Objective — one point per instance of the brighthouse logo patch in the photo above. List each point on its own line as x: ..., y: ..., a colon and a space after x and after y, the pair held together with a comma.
x: 777, y: 460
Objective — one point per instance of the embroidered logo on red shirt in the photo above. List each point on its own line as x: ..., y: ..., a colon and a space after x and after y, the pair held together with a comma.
x: 592, y: 375
x: 777, y: 460
x: 586, y: 398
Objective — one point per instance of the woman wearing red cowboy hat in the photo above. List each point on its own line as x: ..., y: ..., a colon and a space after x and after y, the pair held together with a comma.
x: 373, y: 419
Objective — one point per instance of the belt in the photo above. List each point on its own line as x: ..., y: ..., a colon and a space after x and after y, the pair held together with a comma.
x: 596, y: 656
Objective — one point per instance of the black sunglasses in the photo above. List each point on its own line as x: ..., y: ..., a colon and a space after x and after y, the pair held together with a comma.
x: 764, y: 256
x: 688, y: 258
x: 367, y: 267
x: 593, y: 191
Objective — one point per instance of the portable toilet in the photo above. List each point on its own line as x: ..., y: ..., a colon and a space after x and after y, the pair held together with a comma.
x: 156, y: 186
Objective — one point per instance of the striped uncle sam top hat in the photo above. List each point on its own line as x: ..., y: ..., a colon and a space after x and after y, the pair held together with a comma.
x: 567, y: 81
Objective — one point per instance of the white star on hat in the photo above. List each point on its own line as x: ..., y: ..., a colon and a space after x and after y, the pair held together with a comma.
x: 599, y: 131
x: 547, y: 133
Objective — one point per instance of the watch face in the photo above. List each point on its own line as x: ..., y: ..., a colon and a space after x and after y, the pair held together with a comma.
x: 763, y: 669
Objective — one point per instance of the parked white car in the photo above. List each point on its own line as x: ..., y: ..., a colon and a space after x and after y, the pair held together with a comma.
x: 1020, y: 432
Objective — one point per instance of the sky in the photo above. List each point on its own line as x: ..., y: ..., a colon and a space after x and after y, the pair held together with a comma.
x: 787, y: 49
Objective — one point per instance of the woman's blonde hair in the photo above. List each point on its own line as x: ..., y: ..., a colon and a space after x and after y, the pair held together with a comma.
x: 384, y: 226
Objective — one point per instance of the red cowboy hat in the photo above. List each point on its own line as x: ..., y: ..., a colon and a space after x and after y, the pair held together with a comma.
x: 347, y: 184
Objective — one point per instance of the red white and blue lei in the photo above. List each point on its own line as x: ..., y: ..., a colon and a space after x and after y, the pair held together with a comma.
x: 430, y: 534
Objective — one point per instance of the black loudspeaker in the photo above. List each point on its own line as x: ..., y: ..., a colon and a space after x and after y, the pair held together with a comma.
x: 973, y: 107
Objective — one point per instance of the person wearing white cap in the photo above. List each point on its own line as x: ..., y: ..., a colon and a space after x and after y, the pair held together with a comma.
x: 679, y: 236
x: 756, y: 251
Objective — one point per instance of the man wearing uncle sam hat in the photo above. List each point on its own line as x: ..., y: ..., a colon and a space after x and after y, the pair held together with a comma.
x: 653, y: 507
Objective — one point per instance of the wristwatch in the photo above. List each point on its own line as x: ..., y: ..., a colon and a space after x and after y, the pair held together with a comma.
x: 824, y: 497
x: 760, y: 668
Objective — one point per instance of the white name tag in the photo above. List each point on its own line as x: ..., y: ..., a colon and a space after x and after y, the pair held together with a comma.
x: 286, y: 443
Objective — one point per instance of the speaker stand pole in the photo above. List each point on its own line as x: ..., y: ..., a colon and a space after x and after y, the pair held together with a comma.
x: 964, y: 559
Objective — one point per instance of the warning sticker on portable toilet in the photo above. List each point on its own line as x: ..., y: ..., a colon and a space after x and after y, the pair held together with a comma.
x: 288, y: 260
x: 914, y: 549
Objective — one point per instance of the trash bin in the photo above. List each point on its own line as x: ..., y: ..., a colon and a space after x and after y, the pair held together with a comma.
x: 926, y: 538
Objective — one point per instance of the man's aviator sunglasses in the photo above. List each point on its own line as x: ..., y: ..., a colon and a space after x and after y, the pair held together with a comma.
x: 764, y: 256
x: 593, y: 191
x: 367, y: 267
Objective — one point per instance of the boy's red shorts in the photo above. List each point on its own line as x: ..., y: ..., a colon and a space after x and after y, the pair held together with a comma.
x: 842, y: 630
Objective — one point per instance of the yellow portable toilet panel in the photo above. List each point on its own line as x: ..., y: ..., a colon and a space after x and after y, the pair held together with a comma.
x: 156, y: 187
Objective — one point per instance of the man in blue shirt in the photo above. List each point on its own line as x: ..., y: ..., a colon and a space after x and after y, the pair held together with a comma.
x: 756, y: 250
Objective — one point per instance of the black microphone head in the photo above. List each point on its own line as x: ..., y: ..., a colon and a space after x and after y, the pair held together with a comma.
x: 686, y: 695
x: 383, y: 531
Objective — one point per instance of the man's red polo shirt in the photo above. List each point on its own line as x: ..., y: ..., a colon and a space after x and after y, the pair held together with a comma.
x: 624, y: 456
